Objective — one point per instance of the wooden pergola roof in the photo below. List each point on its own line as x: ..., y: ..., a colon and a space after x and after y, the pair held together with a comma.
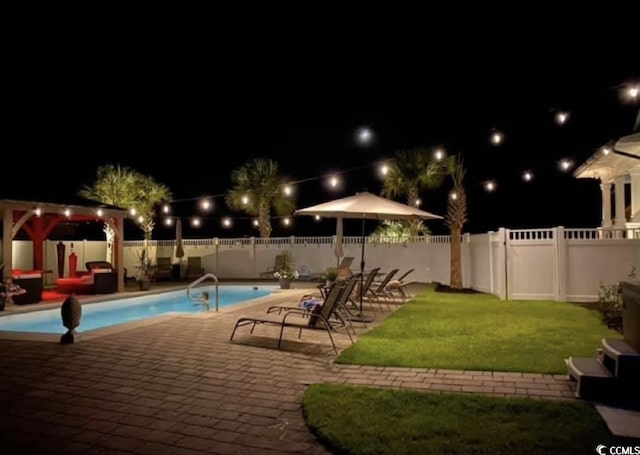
x: 15, y: 213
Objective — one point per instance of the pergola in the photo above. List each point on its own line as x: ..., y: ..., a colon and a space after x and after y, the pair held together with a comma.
x: 617, y: 166
x: 38, y: 219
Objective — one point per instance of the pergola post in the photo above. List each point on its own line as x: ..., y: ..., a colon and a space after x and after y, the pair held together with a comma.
x: 7, y: 242
x: 619, y: 197
x: 605, y: 188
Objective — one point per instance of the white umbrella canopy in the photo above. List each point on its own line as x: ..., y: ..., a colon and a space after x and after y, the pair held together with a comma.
x: 629, y: 144
x: 365, y: 206
x: 179, y: 248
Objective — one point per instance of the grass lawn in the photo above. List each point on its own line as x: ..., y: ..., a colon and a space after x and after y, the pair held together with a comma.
x: 360, y: 420
x: 481, y: 332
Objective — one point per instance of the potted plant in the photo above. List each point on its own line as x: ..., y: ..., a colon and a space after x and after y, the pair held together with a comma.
x: 286, y: 272
x: 331, y: 275
x: 144, y: 268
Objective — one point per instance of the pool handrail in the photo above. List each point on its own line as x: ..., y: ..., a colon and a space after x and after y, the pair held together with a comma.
x: 200, y: 280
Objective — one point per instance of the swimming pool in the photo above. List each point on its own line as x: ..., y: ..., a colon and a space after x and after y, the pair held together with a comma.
x: 104, y: 314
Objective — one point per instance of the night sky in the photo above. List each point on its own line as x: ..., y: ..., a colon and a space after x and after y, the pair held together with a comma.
x: 190, y: 106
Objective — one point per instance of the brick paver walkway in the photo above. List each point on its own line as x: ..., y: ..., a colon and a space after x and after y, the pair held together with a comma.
x: 181, y: 387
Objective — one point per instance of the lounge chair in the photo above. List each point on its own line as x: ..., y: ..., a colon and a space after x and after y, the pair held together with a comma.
x: 278, y: 262
x: 295, y: 318
x: 194, y: 268
x: 400, y: 286
x: 379, y: 289
x: 163, y: 268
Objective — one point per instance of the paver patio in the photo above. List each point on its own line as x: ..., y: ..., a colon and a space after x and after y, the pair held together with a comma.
x: 180, y: 386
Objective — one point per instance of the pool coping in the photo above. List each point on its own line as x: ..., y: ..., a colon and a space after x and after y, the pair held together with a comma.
x: 276, y: 296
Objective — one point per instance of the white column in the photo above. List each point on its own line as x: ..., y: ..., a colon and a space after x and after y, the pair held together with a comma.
x: 605, y: 188
x: 635, y: 195
x: 619, y: 195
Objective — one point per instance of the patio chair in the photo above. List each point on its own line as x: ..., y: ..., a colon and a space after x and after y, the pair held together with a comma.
x: 400, y: 286
x: 294, y: 317
x: 278, y: 262
x: 379, y: 289
x: 194, y: 268
x: 163, y: 268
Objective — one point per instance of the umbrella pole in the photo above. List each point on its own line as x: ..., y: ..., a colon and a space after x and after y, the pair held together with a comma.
x: 362, y: 267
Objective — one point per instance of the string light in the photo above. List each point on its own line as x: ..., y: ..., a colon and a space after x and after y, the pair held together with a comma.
x: 317, y: 218
x: 67, y: 212
x: 38, y: 211
x: 205, y: 204
x: 168, y: 221
x: 418, y: 202
x: 133, y: 212
x: 562, y: 117
x: 365, y: 135
x: 140, y: 219
x: 195, y: 222
x: 227, y: 222
x: 565, y: 164
x: 99, y: 212
x: 497, y: 137
x: 453, y: 195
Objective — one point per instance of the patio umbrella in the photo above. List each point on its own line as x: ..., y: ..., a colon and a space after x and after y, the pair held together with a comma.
x: 338, y: 250
x: 179, y: 248
x: 366, y: 206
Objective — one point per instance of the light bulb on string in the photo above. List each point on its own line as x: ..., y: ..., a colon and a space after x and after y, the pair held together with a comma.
x: 564, y: 164
x: 527, y: 176
x: 245, y: 199
x: 384, y: 169
x: 286, y: 221
x: 334, y: 181
x: 490, y: 186
x: 133, y: 211
x: 364, y: 136
x: 195, y: 222
x: 168, y: 221
x: 205, y: 204
x: 418, y: 202
x: 316, y: 218
x: 166, y: 209
x: 497, y: 138
x: 439, y: 154
x: 561, y: 117
x: 99, y: 212
x: 453, y: 195
x: 226, y: 222
x: 67, y: 212
x: 633, y: 92
x: 140, y: 219
x: 287, y: 190
x: 256, y: 223
x: 38, y: 211
x: 605, y: 150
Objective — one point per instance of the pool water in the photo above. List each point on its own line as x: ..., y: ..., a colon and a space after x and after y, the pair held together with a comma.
x: 113, y: 312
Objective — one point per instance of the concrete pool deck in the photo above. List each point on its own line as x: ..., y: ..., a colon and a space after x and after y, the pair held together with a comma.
x: 178, y: 385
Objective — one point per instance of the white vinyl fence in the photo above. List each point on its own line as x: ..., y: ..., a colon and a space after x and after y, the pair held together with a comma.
x: 554, y: 263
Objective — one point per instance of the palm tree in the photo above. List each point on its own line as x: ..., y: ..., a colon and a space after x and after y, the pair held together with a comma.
x: 127, y: 188
x: 456, y: 217
x: 412, y: 171
x: 259, y: 187
x: 394, y: 231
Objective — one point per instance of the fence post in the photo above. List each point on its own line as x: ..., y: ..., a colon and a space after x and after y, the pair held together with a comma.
x: 466, y: 266
x: 560, y: 256
x: 504, y: 251
x: 490, y: 255
x: 292, y: 240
